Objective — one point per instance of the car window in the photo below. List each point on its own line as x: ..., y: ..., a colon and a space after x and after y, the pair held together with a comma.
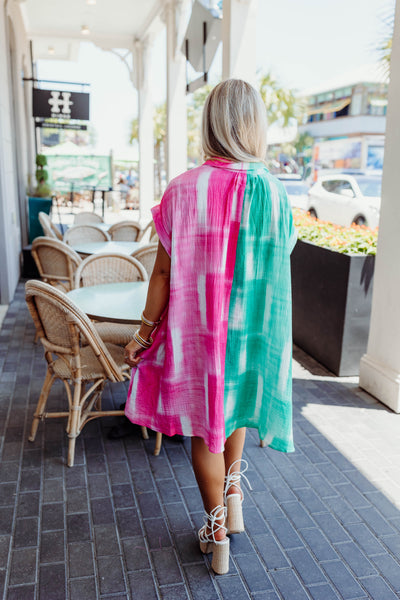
x: 335, y: 186
x: 296, y: 189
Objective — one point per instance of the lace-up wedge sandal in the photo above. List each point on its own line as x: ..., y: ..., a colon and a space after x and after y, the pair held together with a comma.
x: 233, y: 501
x: 213, y: 523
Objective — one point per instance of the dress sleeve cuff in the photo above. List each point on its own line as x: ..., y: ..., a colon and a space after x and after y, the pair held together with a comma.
x: 162, y: 234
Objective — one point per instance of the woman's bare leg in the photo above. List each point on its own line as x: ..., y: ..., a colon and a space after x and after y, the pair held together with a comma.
x: 209, y: 469
x: 233, y: 451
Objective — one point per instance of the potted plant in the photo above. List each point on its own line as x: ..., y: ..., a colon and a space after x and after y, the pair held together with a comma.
x: 41, y: 199
x: 332, y: 275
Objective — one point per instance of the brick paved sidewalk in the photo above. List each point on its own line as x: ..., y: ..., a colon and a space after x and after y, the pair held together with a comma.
x: 121, y: 523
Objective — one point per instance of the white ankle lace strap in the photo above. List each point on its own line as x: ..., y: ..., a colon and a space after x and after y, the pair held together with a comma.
x: 211, y: 522
x: 234, y: 477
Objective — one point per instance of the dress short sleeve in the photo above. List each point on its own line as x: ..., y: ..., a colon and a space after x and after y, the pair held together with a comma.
x: 162, y: 216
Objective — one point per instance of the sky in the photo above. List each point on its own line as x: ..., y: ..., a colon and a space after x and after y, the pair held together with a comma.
x: 302, y: 42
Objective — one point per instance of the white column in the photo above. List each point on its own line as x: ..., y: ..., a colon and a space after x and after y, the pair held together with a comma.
x: 145, y: 127
x: 380, y: 367
x: 176, y: 151
x: 239, y: 33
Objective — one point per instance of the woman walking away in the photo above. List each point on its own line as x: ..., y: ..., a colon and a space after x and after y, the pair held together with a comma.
x: 213, y: 352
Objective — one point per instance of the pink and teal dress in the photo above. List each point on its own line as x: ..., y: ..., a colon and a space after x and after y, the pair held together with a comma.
x: 222, y: 356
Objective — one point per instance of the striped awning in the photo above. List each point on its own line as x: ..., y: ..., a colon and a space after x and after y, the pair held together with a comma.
x: 331, y: 107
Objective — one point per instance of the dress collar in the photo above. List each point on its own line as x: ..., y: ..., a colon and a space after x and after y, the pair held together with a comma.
x: 222, y: 163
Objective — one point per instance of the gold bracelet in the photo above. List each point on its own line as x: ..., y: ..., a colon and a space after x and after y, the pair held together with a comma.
x: 142, y: 342
x: 148, y: 322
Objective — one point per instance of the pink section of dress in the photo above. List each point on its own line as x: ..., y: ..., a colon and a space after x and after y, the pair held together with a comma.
x: 178, y: 387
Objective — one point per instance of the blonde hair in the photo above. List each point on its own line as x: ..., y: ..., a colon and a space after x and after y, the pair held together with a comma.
x: 234, y: 123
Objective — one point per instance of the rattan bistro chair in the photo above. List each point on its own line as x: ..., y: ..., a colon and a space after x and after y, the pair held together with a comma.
x: 125, y: 231
x: 84, y: 370
x: 146, y: 255
x: 79, y: 234
x: 111, y: 268
x: 148, y: 231
x: 56, y: 262
x: 49, y: 229
x: 86, y: 217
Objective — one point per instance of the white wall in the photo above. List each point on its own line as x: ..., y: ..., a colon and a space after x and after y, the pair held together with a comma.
x: 15, y: 143
x: 346, y: 126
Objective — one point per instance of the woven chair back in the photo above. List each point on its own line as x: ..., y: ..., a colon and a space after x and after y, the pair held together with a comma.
x: 125, y: 231
x: 56, y: 262
x: 79, y: 234
x: 61, y: 325
x: 85, y: 218
x: 146, y: 256
x: 148, y: 231
x: 45, y: 222
x: 109, y: 268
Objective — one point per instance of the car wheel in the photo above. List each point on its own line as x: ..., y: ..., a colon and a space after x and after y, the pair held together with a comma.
x: 360, y: 220
x: 312, y: 213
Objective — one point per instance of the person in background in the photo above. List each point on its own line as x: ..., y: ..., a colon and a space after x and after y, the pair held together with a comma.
x: 213, y: 353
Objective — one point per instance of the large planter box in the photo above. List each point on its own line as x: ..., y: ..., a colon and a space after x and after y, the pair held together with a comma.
x: 332, y: 295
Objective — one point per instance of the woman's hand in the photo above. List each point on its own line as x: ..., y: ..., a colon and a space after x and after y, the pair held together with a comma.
x: 132, y: 353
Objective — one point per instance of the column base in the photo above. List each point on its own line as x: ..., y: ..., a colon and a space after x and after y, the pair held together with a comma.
x: 380, y: 381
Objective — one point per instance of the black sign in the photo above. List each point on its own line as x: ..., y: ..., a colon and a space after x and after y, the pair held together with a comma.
x: 60, y: 105
x: 75, y: 126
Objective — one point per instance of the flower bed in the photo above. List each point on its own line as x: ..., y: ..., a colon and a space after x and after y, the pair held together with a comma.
x: 356, y: 239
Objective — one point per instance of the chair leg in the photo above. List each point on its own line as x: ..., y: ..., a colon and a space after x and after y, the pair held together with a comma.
x: 157, y: 447
x: 263, y: 443
x: 41, y: 405
x: 74, y: 423
x: 145, y: 435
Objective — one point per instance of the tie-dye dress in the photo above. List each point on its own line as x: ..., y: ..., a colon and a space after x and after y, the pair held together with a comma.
x: 221, y: 357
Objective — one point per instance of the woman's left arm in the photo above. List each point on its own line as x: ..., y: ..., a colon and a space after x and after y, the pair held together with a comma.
x: 156, y: 302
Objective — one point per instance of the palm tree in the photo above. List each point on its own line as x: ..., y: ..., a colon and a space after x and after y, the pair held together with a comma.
x: 281, y: 103
x: 385, y: 45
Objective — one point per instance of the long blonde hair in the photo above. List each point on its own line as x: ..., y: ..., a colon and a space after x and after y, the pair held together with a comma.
x: 234, y: 123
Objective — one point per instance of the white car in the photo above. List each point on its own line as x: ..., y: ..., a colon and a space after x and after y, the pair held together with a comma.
x: 297, y: 193
x: 346, y: 199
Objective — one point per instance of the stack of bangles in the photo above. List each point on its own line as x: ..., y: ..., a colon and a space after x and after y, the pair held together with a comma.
x: 138, y: 338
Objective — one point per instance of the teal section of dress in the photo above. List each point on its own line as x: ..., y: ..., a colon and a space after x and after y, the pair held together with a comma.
x: 258, y: 366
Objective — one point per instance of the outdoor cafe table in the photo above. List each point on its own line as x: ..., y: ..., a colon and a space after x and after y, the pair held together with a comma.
x: 114, y: 302
x: 88, y: 248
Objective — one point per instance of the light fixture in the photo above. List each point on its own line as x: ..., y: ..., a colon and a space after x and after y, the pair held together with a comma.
x: 85, y: 30
x: 91, y: 2
x: 51, y: 50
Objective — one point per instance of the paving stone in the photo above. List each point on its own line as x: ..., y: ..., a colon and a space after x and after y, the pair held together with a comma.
x: 267, y: 505
x: 319, y: 544
x: 52, y: 516
x: 356, y: 560
x: 350, y: 493
x: 297, y: 515
x: 323, y: 592
x: 77, y: 500
x: 343, y: 580
x: 4, y: 550
x: 289, y: 586
x: 80, y: 559
x: 157, y: 533
x: 23, y: 566
x: 232, y: 587
x: 6, y: 520
x: 52, y: 547
x: 111, y: 575
x: 285, y: 533
x: 378, y: 588
x: 389, y: 568
x: 177, y: 517
x: 135, y: 554
x: 270, y: 552
x: 342, y: 510
x: 8, y: 494
x: 321, y: 486
x: 53, y: 490
x: 376, y: 522
x: 174, y: 592
x: 200, y: 582
x: 78, y: 527
x: 166, y: 566
x: 149, y: 505
x: 30, y: 480
x: 22, y: 592
x: 83, y: 589
x: 306, y: 566
x: 255, y: 524
x: 26, y: 532
x: 254, y: 573
x: 52, y: 582
x: 128, y: 523
x: 331, y: 528
x: 385, y: 507
x: 106, y: 541
x: 367, y: 541
x: 143, y: 581
x: 241, y: 544
x: 102, y: 511
x: 123, y: 496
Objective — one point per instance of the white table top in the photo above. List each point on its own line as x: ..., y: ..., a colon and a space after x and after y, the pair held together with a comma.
x: 106, y: 247
x: 115, y: 302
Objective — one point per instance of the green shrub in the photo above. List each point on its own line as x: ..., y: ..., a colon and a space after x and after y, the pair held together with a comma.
x: 356, y: 239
